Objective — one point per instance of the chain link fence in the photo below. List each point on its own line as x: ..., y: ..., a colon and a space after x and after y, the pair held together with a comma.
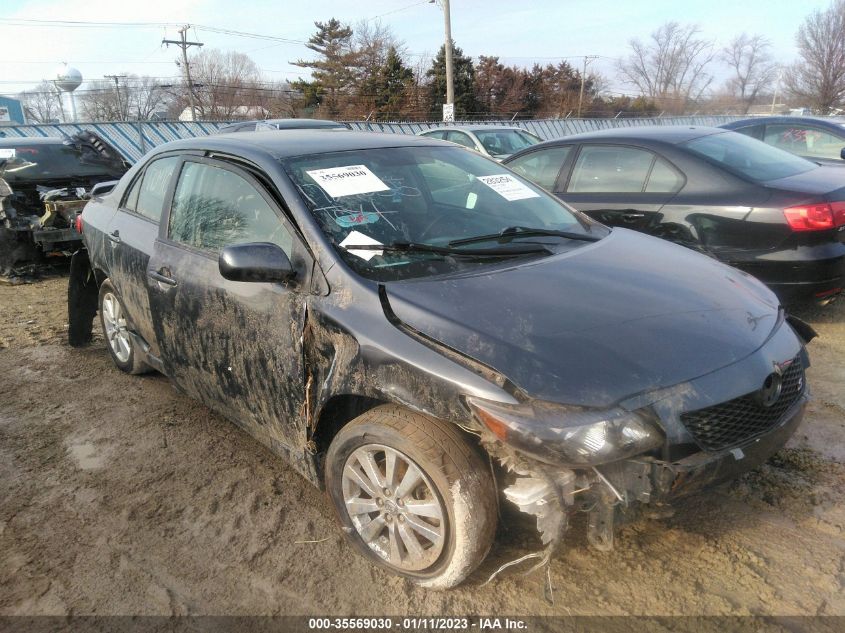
x: 134, y: 139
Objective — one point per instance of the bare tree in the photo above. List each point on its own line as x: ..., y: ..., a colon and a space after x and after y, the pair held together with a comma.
x: 819, y: 76
x: 145, y: 97
x: 371, y: 42
x: 670, y: 67
x: 753, y: 69
x: 43, y: 104
x: 227, y: 84
x: 133, y: 98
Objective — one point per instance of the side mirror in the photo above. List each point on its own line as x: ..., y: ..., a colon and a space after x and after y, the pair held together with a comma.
x: 255, y: 261
x: 842, y: 153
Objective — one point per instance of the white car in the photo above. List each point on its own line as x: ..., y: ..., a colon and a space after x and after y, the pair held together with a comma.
x: 493, y: 141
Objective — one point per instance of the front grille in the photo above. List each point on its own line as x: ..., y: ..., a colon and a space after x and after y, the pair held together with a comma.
x: 741, y: 419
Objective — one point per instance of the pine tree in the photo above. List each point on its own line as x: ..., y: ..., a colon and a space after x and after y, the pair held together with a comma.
x: 464, y: 74
x: 392, y: 86
x: 334, y: 72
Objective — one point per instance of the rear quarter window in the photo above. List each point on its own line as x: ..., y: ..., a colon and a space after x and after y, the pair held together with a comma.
x: 153, y: 188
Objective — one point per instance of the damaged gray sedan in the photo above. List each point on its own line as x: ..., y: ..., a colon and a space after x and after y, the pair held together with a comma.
x: 416, y: 328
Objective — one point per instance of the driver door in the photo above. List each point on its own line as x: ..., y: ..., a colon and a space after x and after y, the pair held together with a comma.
x: 233, y: 345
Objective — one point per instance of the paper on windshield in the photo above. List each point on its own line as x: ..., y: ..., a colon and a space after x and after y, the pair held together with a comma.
x: 7, y: 152
x: 508, y: 187
x: 347, y: 181
x: 359, y: 239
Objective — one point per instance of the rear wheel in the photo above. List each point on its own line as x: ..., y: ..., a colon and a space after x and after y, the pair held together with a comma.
x: 120, y: 343
x: 412, y: 495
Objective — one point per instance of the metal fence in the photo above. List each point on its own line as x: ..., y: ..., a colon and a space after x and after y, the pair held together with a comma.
x: 135, y: 139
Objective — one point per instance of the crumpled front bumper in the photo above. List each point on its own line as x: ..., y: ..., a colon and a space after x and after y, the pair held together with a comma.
x: 655, y: 481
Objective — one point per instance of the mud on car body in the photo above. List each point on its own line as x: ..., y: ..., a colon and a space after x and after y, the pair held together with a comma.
x: 44, y: 183
x: 415, y: 328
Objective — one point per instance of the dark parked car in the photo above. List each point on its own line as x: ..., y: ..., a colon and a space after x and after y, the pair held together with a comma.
x: 817, y: 139
x: 44, y: 182
x: 282, y: 124
x: 401, y: 319
x: 774, y: 215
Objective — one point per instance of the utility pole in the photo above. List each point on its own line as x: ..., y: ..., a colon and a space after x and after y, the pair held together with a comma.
x: 117, y: 79
x: 450, y: 77
x: 449, y: 106
x: 777, y: 87
x: 184, y: 44
x: 587, y: 59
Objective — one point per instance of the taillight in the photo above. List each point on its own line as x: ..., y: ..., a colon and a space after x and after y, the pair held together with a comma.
x: 78, y: 224
x: 816, y: 217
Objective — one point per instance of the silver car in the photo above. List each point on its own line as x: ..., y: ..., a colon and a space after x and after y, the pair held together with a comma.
x: 494, y: 141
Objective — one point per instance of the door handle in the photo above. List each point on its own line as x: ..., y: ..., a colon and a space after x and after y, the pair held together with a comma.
x: 162, y: 279
x: 114, y: 237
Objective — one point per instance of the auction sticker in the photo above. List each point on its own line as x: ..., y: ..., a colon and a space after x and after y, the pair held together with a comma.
x: 7, y: 152
x: 347, y: 181
x: 508, y: 187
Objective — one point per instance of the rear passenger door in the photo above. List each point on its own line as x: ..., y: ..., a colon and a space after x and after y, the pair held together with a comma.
x: 131, y: 235
x: 235, y: 346
x: 621, y: 185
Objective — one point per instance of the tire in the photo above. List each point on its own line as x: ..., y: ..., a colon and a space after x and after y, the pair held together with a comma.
x: 452, y: 476
x: 113, y: 315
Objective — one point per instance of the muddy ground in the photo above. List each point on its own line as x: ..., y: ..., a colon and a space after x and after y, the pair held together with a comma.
x: 120, y: 496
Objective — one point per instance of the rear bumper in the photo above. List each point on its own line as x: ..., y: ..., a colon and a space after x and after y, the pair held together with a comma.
x: 799, y: 274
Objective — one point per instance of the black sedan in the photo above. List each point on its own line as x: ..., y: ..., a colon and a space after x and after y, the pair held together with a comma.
x: 406, y: 322
x: 813, y: 138
x: 769, y: 213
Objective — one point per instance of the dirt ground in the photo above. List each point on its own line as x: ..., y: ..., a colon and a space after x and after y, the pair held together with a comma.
x: 120, y: 496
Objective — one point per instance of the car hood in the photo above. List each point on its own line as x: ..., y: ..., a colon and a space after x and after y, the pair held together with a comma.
x: 597, y: 324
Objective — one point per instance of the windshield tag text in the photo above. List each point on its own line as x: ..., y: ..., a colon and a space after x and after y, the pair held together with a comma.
x: 508, y: 187
x: 347, y: 181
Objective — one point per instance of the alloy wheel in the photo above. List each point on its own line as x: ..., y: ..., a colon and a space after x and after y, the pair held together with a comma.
x: 394, y: 507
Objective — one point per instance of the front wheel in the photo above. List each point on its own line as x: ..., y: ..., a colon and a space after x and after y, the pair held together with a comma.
x: 412, y: 495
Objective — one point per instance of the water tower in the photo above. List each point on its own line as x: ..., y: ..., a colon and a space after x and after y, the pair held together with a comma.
x: 67, y: 80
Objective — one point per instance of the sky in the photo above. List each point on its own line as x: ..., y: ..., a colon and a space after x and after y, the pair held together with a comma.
x: 521, y: 33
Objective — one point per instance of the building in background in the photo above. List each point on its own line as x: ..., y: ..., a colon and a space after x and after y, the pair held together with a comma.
x: 11, y: 112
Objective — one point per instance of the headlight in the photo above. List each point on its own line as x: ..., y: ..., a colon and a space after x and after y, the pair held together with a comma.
x: 569, y: 436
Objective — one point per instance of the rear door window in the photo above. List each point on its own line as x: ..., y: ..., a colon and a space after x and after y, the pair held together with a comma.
x: 610, y: 169
x: 153, y: 188
x: 215, y: 207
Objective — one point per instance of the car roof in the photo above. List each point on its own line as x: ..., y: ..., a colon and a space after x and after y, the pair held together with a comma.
x: 672, y: 134
x: 301, y: 142
x: 643, y: 134
x: 837, y: 124
x: 304, y: 123
x: 10, y: 141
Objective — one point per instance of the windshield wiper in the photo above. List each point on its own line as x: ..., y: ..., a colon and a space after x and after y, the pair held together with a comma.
x: 408, y: 247
x: 508, y: 234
